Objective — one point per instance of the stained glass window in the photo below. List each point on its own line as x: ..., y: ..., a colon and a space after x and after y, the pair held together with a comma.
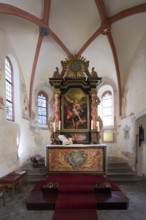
x: 42, y: 108
x: 9, y: 90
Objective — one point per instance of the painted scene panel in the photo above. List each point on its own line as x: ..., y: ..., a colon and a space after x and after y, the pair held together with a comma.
x: 75, y: 110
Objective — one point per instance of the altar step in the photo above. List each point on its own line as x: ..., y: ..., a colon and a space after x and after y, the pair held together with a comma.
x: 119, y: 170
x: 36, y: 174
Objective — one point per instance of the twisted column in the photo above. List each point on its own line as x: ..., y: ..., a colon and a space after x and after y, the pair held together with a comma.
x: 57, y: 108
x: 93, y: 108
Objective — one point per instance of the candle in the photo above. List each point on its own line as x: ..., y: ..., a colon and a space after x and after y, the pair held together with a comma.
x: 91, y: 124
x: 97, y: 124
x: 59, y: 125
x: 54, y: 126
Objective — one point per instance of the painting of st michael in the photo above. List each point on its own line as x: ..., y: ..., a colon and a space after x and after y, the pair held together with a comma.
x: 75, y: 110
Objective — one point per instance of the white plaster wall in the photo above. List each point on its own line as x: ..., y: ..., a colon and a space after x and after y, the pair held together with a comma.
x: 113, y: 149
x: 141, y: 165
x: 136, y: 106
x: 141, y: 149
x: 32, y: 140
x: 127, y: 140
x: 136, y: 81
x: 18, y: 140
x: 8, y: 148
x: 144, y: 160
x: 8, y: 130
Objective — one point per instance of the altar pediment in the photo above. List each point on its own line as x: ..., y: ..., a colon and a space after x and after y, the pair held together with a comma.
x: 75, y: 68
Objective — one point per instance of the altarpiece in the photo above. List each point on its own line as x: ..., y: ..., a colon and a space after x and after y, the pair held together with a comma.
x: 76, y: 118
x: 75, y: 102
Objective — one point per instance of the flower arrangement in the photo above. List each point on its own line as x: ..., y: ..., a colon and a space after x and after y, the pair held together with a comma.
x: 35, y: 159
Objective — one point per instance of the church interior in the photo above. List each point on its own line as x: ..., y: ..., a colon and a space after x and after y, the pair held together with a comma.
x: 72, y: 109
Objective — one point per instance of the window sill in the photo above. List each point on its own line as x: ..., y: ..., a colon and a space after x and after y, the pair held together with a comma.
x: 43, y: 127
x: 108, y: 127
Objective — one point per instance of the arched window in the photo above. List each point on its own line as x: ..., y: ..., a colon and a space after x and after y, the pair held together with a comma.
x: 107, y: 108
x: 42, y: 108
x: 9, y: 89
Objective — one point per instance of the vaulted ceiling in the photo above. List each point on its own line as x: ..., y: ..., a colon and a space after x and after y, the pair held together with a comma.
x: 44, y: 32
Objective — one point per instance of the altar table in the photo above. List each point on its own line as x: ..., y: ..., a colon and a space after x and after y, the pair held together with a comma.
x: 77, y: 158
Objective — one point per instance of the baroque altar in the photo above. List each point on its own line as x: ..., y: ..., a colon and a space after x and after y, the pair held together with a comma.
x: 75, y: 102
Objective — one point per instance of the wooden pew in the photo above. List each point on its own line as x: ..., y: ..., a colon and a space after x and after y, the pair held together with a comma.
x: 21, y: 174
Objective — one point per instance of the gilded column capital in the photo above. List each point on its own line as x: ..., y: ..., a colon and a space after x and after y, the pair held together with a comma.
x: 57, y: 93
x: 93, y: 92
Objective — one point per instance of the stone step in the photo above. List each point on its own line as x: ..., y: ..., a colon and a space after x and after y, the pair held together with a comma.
x: 115, y: 169
x: 34, y: 181
x: 37, y: 171
x: 36, y: 174
x: 118, y: 165
x: 128, y: 179
x: 121, y: 174
x: 119, y: 170
x: 116, y: 160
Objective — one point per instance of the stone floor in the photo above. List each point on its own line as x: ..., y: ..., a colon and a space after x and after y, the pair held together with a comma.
x: 15, y: 209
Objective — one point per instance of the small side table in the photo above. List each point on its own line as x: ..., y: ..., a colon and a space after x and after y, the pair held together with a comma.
x: 2, y: 190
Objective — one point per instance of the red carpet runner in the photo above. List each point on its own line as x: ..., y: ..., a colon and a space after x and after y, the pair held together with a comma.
x: 76, y: 201
x: 88, y: 214
x: 76, y: 198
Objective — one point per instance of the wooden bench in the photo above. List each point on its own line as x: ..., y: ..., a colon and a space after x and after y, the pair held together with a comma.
x: 12, y: 179
x: 21, y: 174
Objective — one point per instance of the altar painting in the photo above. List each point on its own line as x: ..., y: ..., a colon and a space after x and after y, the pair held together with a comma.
x: 75, y: 110
x: 77, y: 160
